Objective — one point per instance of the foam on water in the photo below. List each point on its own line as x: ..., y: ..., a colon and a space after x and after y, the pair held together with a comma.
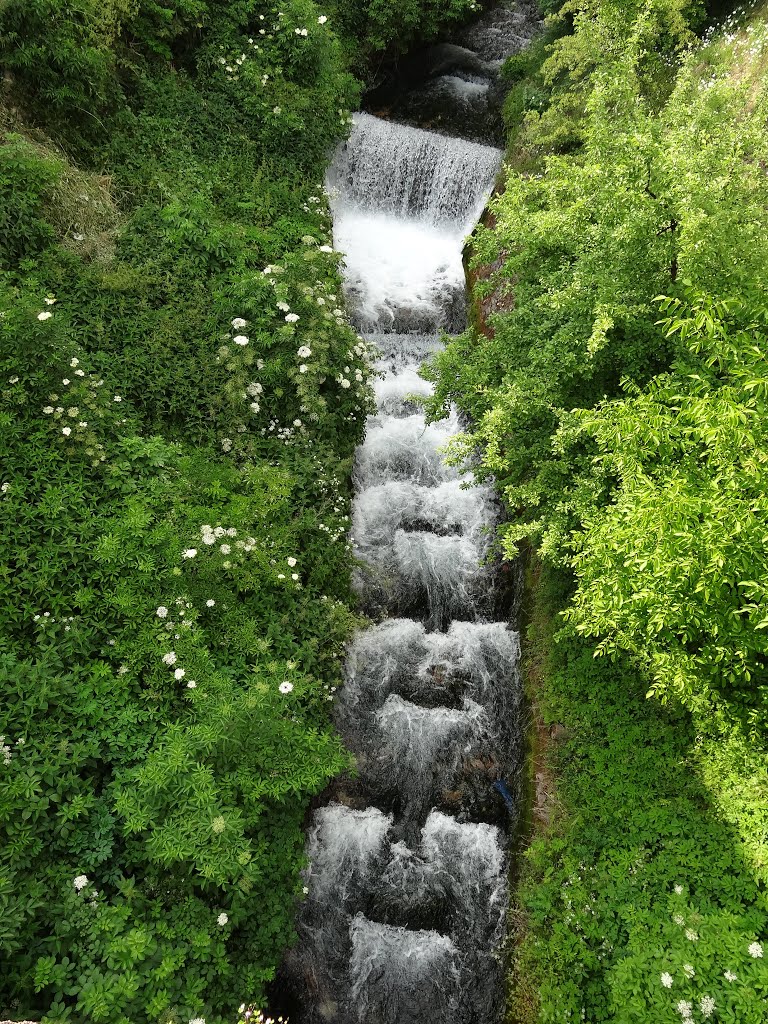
x: 413, y: 175
x: 450, y: 507
x: 421, y: 749
x: 399, y: 974
x: 396, y: 392
x: 405, y: 448
x: 401, y: 276
x: 342, y: 845
x: 403, y: 200
x: 407, y: 895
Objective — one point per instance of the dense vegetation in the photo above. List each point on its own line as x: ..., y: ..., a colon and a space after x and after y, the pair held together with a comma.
x: 181, y: 396
x: 616, y: 382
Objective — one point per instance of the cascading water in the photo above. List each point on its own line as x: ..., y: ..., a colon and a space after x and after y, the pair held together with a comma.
x: 407, y: 862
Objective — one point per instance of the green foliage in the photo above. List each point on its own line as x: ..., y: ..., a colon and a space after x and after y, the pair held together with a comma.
x: 673, y: 569
x: 24, y: 181
x: 614, y: 381
x: 637, y: 877
x: 180, y: 401
x: 576, y: 256
x: 396, y: 24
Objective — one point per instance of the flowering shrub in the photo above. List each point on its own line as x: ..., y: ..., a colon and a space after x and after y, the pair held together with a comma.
x: 179, y: 413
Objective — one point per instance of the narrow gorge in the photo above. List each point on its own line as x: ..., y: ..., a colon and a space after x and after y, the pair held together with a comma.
x: 408, y: 858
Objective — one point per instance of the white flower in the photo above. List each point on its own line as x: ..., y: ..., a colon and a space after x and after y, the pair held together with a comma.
x: 304, y: 352
x: 238, y: 323
x: 240, y: 340
x: 189, y: 553
x: 284, y: 307
x: 679, y: 890
x: 689, y: 971
x: 66, y: 431
x: 755, y: 950
x: 291, y: 318
x: 277, y: 110
x: 162, y: 612
x: 210, y: 603
x: 225, y: 549
x: 80, y: 882
x: 729, y: 976
x: 48, y: 410
x: 303, y: 368
x: 291, y: 562
x: 294, y: 575
x: 322, y: 19
x: 197, y: 1020
x: 285, y: 686
x: 170, y: 658
x: 297, y: 423
x: 49, y: 302
x: 221, y: 920
x: 685, y: 1009
x: 191, y: 684
x: 65, y: 381
x: 666, y: 980
x: 255, y: 407
x: 679, y: 920
x: 345, y: 383
x: 179, y: 674
x: 46, y: 315
x: 691, y: 935
x: 326, y: 248
x: 707, y: 1004
x: 74, y: 361
x: 117, y: 398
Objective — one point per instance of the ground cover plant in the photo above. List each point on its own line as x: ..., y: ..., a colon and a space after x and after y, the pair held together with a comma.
x: 180, y: 398
x: 638, y: 901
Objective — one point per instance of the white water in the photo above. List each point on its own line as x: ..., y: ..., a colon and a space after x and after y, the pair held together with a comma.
x: 403, y: 201
x: 407, y: 872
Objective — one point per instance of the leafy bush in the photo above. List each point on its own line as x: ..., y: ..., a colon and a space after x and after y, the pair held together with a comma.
x: 180, y: 408
x: 637, y: 899
x: 673, y: 568
x: 384, y: 24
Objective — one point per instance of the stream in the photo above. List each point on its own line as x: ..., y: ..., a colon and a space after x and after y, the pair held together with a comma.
x: 408, y: 859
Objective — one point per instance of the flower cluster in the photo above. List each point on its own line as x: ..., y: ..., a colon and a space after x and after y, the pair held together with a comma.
x: 79, y: 407
x: 5, y: 750
x: 250, y: 1015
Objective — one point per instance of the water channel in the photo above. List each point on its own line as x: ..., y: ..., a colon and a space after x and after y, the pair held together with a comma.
x: 408, y: 867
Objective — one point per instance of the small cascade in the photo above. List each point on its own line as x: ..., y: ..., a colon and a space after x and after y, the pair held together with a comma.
x: 407, y: 872
x: 402, y: 201
x: 413, y: 175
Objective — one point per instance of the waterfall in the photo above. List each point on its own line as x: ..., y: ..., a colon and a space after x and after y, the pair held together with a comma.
x: 403, y: 199
x: 413, y: 175
x: 407, y: 872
